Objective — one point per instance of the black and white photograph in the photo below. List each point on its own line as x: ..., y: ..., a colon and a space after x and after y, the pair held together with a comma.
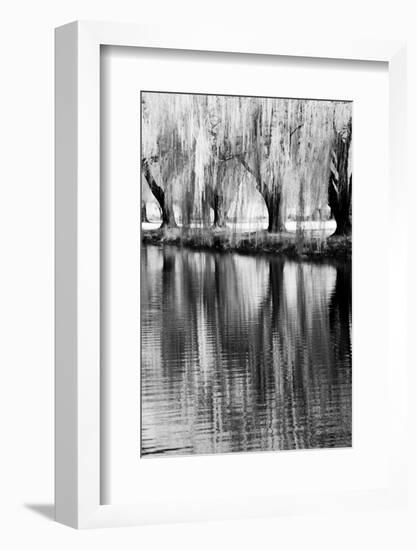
x: 246, y: 222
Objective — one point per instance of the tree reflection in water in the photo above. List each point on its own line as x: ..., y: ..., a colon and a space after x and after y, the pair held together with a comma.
x: 243, y: 353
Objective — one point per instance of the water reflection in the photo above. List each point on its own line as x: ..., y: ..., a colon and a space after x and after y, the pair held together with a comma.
x: 243, y: 353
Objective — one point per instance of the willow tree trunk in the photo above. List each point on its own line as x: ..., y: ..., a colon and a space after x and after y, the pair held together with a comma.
x: 168, y: 219
x: 217, y: 205
x: 187, y: 207
x: 205, y: 209
x: 144, y: 216
x: 214, y: 192
x: 340, y: 183
x: 188, y: 197
x: 273, y: 205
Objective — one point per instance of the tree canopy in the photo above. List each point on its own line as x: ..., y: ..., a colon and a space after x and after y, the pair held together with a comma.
x: 200, y: 151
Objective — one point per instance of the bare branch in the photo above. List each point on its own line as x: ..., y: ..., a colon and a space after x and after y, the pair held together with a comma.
x: 293, y: 131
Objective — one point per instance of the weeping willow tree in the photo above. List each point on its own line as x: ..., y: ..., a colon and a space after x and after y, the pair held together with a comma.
x: 175, y: 152
x: 340, y: 179
x: 297, y: 152
x: 162, y: 158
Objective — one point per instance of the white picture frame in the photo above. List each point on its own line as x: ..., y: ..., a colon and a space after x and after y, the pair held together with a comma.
x: 77, y: 253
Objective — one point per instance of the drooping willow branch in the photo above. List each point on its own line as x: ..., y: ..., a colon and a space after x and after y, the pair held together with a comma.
x: 241, y: 159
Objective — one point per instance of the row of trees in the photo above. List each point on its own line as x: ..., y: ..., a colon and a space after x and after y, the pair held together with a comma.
x: 199, y: 150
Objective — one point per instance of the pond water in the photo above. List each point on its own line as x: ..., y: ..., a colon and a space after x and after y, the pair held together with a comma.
x: 243, y: 353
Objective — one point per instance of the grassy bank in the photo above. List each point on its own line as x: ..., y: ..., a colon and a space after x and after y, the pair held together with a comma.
x: 295, y: 245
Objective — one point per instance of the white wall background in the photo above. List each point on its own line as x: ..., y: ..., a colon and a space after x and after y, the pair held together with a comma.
x: 26, y: 268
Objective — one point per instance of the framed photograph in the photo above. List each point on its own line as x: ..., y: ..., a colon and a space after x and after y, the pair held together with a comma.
x: 230, y: 339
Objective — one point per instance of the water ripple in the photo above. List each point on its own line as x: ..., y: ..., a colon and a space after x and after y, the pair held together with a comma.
x: 243, y: 353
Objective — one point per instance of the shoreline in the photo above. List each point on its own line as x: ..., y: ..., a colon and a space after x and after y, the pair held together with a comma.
x: 290, y: 245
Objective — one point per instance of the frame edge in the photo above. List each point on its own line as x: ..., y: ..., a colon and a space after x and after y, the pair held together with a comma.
x: 66, y: 344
